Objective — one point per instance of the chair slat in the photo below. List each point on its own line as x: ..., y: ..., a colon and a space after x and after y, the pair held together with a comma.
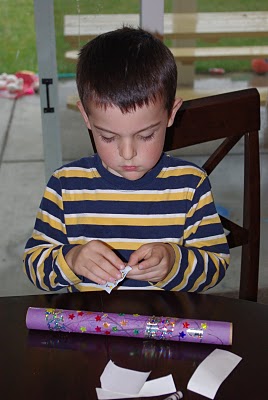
x: 232, y: 117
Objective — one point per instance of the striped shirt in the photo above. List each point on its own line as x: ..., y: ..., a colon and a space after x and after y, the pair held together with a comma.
x: 172, y: 203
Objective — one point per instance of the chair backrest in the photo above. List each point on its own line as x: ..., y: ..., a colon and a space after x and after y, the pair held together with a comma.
x: 231, y: 116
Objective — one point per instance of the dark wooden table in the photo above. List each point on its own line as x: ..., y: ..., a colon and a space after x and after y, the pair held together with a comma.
x: 52, y: 365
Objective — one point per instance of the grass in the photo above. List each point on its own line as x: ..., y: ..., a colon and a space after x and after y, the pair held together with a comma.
x: 18, y: 48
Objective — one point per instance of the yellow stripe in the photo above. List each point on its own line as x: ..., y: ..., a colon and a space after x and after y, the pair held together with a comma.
x: 174, y: 269
x: 41, y: 270
x: 208, y: 242
x: 202, y: 202
x: 52, y: 278
x: 77, y: 173
x: 143, y: 197
x: 188, y: 271
x: 214, y: 280
x: 202, y: 277
x: 83, y: 288
x: 113, y: 221
x: 52, y: 197
x: 52, y: 222
x: 33, y: 253
x: 180, y: 172
x: 66, y: 269
x: 45, y: 239
x: 114, y: 245
x: 203, y: 222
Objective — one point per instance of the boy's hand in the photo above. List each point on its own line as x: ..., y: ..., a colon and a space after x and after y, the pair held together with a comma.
x: 95, y: 261
x: 151, y: 262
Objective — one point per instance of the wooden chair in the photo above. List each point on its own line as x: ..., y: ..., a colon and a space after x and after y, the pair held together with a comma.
x: 231, y: 116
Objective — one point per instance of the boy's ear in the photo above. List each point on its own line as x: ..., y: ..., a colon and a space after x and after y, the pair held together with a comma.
x: 177, y: 103
x: 84, y: 114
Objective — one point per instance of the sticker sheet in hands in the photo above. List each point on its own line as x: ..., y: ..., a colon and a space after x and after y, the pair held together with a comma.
x: 108, y: 286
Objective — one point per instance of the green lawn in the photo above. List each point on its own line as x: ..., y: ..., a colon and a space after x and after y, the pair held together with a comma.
x: 18, y: 49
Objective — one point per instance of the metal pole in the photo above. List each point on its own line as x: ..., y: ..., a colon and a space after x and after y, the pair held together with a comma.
x: 48, y: 80
x: 152, y: 16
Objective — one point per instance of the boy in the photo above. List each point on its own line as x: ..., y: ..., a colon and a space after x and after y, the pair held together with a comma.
x: 128, y: 204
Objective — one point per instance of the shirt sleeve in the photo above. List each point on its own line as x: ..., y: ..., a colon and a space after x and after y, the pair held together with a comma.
x: 44, y: 255
x: 202, y: 256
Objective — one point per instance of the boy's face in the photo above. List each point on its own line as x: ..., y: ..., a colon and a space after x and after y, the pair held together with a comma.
x: 130, y: 144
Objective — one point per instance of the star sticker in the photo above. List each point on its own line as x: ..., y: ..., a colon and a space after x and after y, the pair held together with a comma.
x: 109, y: 286
x: 98, y: 329
x: 80, y: 313
x: 186, y: 325
x: 98, y: 318
x: 71, y: 316
x: 107, y: 332
x: 182, y: 334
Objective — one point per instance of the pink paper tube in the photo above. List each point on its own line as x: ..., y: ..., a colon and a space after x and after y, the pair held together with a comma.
x: 130, y: 325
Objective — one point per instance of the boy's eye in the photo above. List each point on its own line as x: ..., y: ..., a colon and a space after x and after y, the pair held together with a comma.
x: 107, y: 139
x: 150, y: 137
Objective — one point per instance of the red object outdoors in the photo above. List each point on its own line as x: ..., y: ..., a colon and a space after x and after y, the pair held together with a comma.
x: 30, y: 85
x: 259, y: 65
x: 216, y: 71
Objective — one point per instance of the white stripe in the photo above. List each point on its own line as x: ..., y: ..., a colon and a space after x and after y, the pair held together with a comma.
x: 46, y: 238
x: 205, y: 270
x: 192, y: 270
x: 52, y: 191
x: 207, y: 217
x: 182, y: 167
x: 178, y: 269
x: 62, y: 274
x: 124, y: 240
x: 37, y: 247
x: 51, y: 217
x: 206, y: 239
x: 200, y: 199
x: 138, y: 192
x: 31, y: 268
x: 128, y: 216
x: 150, y: 287
x: 39, y: 264
x: 77, y: 169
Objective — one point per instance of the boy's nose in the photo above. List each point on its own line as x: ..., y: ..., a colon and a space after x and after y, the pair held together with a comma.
x: 127, y: 150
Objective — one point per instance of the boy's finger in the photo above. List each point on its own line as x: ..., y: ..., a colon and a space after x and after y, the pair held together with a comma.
x: 137, y: 256
x: 108, y: 271
x: 113, y: 259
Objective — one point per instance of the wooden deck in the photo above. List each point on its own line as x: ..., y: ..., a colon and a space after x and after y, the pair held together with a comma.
x: 176, y: 26
x: 187, y: 94
x: 187, y: 55
x: 208, y: 26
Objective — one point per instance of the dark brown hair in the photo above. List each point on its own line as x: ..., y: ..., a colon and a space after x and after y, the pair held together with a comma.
x: 126, y: 68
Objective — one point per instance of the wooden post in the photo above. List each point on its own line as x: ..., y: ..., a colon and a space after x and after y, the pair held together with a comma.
x: 185, y: 72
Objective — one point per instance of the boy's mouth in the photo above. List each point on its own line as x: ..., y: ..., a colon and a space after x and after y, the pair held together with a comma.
x: 129, y: 168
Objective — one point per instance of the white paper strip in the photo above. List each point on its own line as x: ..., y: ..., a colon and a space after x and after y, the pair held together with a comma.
x: 210, y: 374
x: 121, y: 383
x: 122, y: 380
x: 108, y: 286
